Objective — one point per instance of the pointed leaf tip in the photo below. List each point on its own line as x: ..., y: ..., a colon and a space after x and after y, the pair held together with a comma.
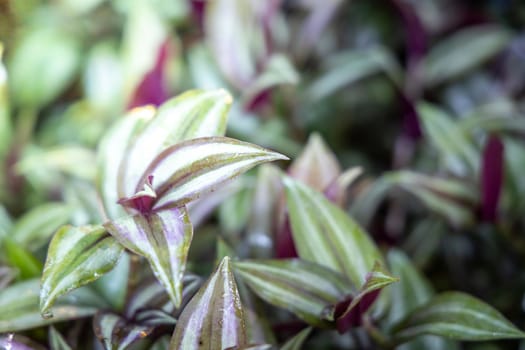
x: 76, y: 256
x: 214, y: 318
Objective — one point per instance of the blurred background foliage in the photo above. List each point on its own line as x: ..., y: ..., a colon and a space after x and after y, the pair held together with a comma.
x: 426, y: 96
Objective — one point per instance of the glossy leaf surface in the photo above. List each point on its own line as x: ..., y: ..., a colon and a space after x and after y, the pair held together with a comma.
x: 189, y: 169
x: 194, y: 114
x: 19, y: 306
x: 214, y: 318
x: 112, y: 150
x: 325, y: 234
x: 76, y: 257
x: 163, y: 238
x: 302, y: 287
x: 457, y: 316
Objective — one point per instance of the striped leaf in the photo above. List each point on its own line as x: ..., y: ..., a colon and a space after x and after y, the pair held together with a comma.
x: 187, y: 170
x: 196, y: 113
x: 457, y: 316
x: 112, y: 150
x: 413, y: 290
x: 163, y: 238
x: 116, y: 333
x: 296, y: 342
x: 76, y: 256
x: 301, y: 287
x: 214, y: 317
x: 19, y: 309
x: 323, y: 233
x: 453, y: 144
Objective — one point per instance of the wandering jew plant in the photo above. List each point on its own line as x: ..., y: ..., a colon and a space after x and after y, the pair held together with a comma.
x: 154, y: 162
x: 383, y: 208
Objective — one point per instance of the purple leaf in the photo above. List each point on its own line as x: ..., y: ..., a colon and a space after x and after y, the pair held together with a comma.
x: 15, y: 342
x: 152, y: 90
x: 163, y: 238
x: 214, y: 318
x: 492, y: 168
x: 116, y: 332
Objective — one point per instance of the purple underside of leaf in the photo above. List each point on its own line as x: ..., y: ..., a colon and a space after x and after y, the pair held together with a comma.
x: 152, y: 89
x: 9, y: 342
x: 491, y: 178
x: 353, y: 318
x: 284, y: 246
x: 143, y: 200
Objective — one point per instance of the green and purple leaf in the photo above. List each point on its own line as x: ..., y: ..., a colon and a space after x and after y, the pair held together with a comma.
x: 112, y: 151
x: 323, y: 233
x: 214, y: 318
x: 457, y: 316
x: 194, y: 114
x: 76, y: 256
x: 303, y: 288
x: 163, y: 238
x: 349, y: 312
x: 191, y: 168
x: 17, y: 342
x: 19, y: 306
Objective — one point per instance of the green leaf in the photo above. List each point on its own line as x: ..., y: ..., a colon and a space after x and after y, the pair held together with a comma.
x: 18, y: 257
x: 297, y: 341
x: 235, y: 37
x: 42, y: 65
x: 349, y: 67
x: 214, y: 317
x: 454, y: 146
x: 413, y: 290
x: 34, y: 228
x: 56, y: 341
x: 191, y: 168
x: 114, y: 284
x: 453, y: 199
x: 376, y: 279
x: 448, y: 59
x: 111, y: 153
x: 19, y: 309
x: 278, y: 71
x: 302, y: 287
x: 76, y: 256
x: 5, y: 122
x: 457, y: 316
x: 194, y: 114
x: 163, y: 238
x: 325, y: 234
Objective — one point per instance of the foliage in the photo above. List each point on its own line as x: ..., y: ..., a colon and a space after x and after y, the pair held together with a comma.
x: 148, y: 199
